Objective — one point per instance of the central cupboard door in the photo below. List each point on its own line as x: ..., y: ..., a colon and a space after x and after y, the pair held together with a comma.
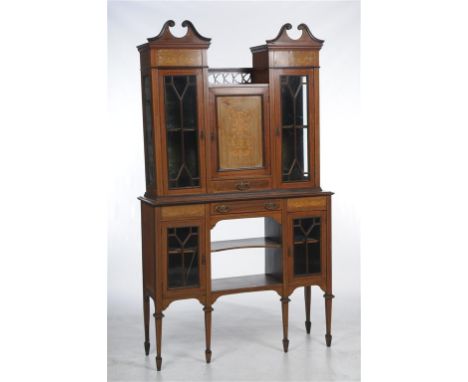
x: 239, y: 136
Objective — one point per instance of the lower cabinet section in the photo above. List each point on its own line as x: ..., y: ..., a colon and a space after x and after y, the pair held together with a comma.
x: 178, y: 252
x: 294, y: 241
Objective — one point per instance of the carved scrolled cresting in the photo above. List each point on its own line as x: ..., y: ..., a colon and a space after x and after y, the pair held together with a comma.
x: 304, y: 28
x: 281, y: 32
x: 306, y: 38
x: 192, y: 30
x: 192, y: 36
x: 164, y: 31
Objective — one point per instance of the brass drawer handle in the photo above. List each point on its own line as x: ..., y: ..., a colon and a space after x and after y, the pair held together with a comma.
x: 222, y: 209
x: 242, y: 186
x: 271, y: 206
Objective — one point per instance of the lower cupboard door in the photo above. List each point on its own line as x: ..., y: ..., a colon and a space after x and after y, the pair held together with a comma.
x: 183, y: 247
x: 308, y: 245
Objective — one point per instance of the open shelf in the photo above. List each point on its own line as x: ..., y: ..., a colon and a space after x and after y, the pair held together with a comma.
x: 256, y: 242
x: 244, y: 283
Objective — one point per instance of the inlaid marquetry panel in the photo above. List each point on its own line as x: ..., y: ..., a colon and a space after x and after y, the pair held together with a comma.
x: 183, y: 212
x: 295, y: 58
x: 297, y: 204
x: 179, y: 57
x: 240, y: 137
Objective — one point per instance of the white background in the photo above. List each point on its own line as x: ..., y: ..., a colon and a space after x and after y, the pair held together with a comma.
x: 234, y: 28
x: 54, y: 164
x: 336, y: 23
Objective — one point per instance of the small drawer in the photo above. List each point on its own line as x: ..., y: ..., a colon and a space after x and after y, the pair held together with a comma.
x: 183, y: 212
x: 241, y: 185
x: 245, y: 206
x: 314, y: 203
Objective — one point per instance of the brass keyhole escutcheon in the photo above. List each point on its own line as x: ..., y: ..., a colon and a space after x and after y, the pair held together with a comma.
x: 271, y: 206
x: 222, y: 209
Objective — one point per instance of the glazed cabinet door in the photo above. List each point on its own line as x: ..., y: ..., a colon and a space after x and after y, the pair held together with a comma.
x: 296, y: 129
x: 184, y: 257
x: 182, y: 131
x: 307, y: 247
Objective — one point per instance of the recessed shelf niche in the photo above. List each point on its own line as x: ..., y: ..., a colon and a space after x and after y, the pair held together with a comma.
x: 246, y: 261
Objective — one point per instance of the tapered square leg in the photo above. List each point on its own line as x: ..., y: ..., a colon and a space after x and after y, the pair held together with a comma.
x: 328, y: 316
x: 284, y: 311
x: 158, y: 318
x: 208, y: 310
x: 146, y: 318
x: 307, y: 298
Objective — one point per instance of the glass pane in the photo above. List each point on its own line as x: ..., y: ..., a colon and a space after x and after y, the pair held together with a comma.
x: 182, y: 131
x: 148, y: 131
x: 182, y: 264
x: 306, y: 236
x: 295, y: 128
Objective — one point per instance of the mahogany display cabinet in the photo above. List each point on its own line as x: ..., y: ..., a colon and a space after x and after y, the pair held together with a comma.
x: 231, y: 144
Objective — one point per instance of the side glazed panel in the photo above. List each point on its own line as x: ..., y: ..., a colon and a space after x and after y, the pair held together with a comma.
x: 148, y: 132
x: 295, y: 163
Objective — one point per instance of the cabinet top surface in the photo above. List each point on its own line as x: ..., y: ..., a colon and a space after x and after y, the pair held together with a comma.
x: 209, y: 198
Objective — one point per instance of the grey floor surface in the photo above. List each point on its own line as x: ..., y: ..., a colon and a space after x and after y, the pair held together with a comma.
x: 246, y: 341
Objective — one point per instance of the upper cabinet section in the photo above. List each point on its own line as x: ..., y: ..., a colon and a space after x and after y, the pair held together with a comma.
x: 230, y: 130
x: 175, y: 69
x: 291, y: 66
